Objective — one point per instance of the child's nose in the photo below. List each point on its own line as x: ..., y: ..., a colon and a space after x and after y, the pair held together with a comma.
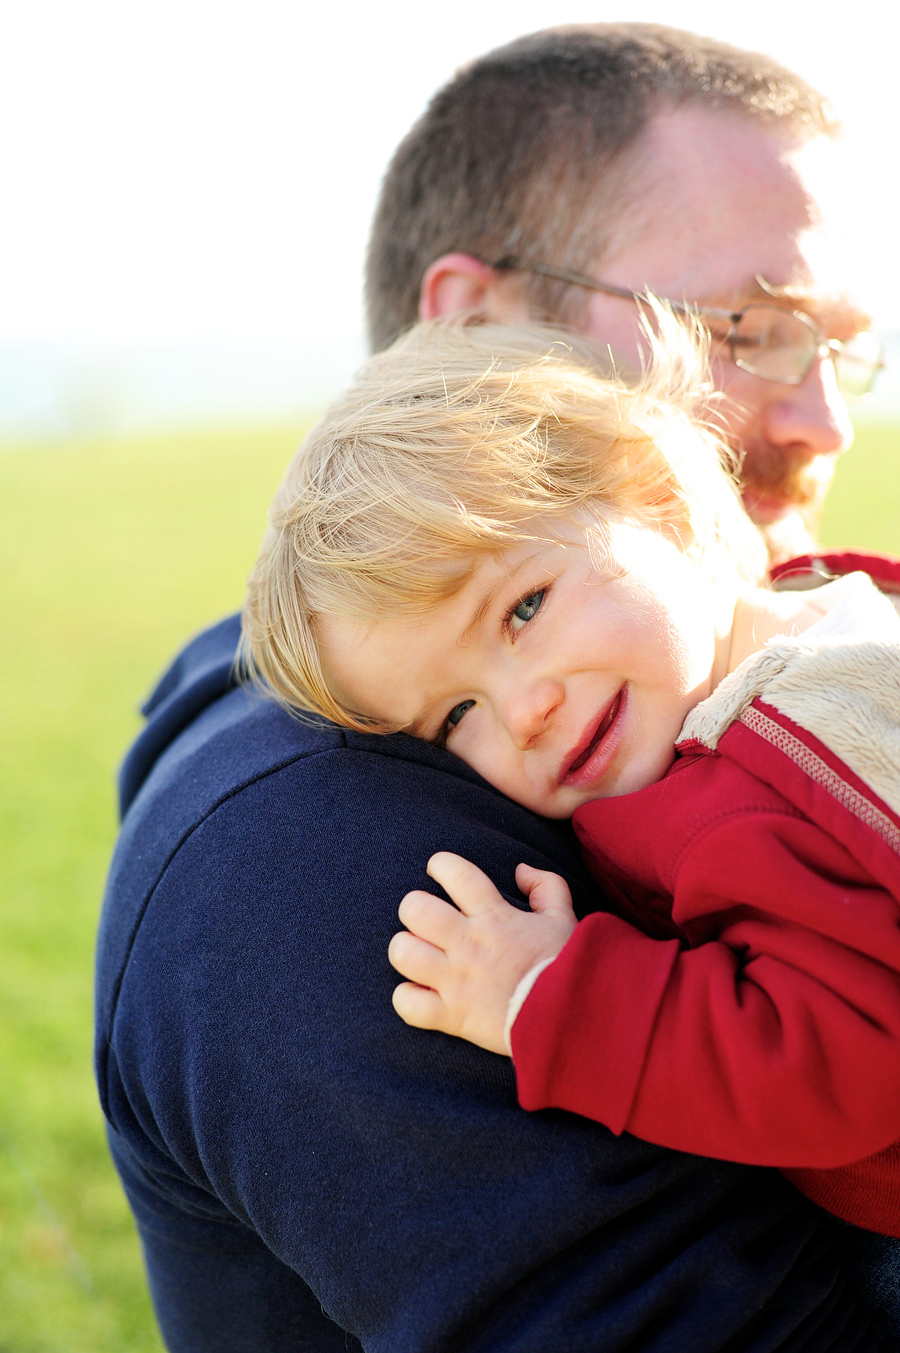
x: 530, y: 709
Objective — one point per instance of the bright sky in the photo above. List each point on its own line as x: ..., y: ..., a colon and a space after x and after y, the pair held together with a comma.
x: 196, y: 169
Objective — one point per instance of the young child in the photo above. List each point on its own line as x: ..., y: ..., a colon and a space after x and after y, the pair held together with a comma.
x: 488, y: 545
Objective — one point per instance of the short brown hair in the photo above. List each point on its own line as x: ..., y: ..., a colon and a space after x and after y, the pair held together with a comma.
x: 523, y: 151
x: 457, y: 443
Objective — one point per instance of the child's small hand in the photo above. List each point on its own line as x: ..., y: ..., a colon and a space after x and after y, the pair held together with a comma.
x: 463, y: 966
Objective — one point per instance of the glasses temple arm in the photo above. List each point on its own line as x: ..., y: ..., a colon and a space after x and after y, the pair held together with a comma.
x: 510, y: 263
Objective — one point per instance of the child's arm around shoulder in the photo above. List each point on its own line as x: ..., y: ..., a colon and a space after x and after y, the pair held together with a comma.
x: 464, y: 963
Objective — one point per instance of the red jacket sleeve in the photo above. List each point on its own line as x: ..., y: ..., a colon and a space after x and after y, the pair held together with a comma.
x: 774, y: 1039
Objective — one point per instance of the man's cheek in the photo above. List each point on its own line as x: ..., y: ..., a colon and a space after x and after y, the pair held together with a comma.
x: 736, y: 407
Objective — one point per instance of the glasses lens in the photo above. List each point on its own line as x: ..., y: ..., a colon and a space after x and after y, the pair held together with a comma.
x: 857, y: 363
x: 775, y: 344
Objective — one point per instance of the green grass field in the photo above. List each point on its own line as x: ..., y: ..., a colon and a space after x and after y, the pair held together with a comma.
x: 111, y: 555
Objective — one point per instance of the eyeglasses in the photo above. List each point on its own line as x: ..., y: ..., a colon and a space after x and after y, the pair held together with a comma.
x: 769, y: 341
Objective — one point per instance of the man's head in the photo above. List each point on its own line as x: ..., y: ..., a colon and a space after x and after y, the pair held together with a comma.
x: 646, y: 158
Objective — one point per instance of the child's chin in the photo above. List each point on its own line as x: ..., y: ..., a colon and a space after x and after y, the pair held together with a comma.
x: 551, y: 808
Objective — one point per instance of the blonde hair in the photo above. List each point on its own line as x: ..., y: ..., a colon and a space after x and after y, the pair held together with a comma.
x: 458, y: 442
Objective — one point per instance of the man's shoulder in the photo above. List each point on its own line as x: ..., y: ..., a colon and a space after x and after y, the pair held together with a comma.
x: 253, y: 829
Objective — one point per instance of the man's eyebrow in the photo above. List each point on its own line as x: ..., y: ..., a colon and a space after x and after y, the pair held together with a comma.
x: 759, y: 291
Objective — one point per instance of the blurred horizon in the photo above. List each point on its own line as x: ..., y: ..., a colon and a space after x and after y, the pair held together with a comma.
x: 70, y: 390
x: 66, y: 391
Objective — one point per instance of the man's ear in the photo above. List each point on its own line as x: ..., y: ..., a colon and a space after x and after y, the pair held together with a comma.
x: 457, y: 282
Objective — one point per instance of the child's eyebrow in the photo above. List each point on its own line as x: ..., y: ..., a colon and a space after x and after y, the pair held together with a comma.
x: 478, y: 615
x: 490, y: 596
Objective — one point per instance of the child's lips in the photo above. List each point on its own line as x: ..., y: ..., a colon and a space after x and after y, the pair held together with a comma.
x: 599, y: 745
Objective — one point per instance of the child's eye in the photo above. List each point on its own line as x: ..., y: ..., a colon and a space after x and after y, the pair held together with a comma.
x: 525, y: 610
x: 457, y: 712
x: 451, y: 721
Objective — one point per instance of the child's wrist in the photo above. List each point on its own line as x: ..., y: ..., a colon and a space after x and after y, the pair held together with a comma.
x: 519, y: 997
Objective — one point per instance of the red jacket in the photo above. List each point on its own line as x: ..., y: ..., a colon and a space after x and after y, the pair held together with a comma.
x: 745, y: 1001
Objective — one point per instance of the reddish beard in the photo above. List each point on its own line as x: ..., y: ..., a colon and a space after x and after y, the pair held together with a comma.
x: 774, y: 478
x: 770, y: 473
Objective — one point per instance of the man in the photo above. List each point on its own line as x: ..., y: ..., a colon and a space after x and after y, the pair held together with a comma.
x: 640, y: 174
x: 306, y: 1171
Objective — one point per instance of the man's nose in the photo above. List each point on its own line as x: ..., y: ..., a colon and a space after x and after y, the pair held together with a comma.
x: 809, y: 419
x: 530, y: 707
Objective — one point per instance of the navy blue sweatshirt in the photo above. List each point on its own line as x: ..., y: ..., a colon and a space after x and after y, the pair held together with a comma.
x: 307, y: 1173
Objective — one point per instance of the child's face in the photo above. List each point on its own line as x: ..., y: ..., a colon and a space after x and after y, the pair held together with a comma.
x: 558, y: 683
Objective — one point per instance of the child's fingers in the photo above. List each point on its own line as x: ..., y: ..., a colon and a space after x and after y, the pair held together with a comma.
x: 545, y: 891
x: 418, y: 1006
x: 471, y: 889
x: 430, y: 917
x: 416, y: 959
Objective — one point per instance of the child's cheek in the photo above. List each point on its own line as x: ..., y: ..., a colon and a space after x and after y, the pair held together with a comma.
x: 477, y: 742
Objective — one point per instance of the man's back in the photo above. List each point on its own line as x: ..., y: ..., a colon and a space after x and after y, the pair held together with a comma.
x: 301, y: 1163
